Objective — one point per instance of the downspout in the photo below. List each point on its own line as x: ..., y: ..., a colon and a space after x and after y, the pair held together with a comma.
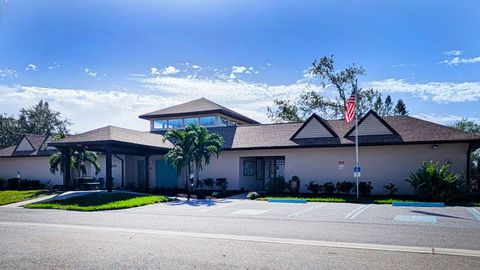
x: 123, y: 172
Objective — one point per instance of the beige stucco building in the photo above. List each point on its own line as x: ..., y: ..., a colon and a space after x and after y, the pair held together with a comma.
x: 316, y: 150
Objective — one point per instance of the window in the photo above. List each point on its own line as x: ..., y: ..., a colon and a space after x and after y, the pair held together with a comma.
x: 207, y: 121
x: 189, y: 121
x: 248, y: 168
x: 159, y: 124
x: 175, y: 123
x: 226, y: 122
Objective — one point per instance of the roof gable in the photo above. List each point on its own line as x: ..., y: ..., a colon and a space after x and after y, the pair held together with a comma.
x: 314, y: 127
x: 372, y: 124
x: 196, y: 107
x: 24, y: 145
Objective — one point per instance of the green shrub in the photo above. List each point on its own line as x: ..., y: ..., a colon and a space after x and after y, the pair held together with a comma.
x: 253, y: 195
x: 328, y: 188
x: 390, y: 189
x: 435, y: 184
x: 313, y: 187
x: 345, y: 187
x: 365, y: 188
x: 222, y: 184
x: 208, y: 182
x: 23, y: 184
x: 276, y: 185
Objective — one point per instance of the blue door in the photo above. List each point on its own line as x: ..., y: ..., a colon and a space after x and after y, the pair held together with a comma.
x: 166, y: 175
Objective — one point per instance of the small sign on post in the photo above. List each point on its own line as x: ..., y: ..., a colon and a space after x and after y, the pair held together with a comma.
x: 341, y: 164
x: 356, y: 171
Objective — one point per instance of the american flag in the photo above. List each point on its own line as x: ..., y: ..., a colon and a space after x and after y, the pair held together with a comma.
x: 350, y: 108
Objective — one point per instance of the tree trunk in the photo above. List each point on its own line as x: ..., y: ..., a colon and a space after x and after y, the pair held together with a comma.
x: 187, y: 186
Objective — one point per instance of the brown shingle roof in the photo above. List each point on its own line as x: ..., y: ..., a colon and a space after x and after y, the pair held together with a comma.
x: 410, y: 130
x: 197, y: 106
x: 116, y: 134
x: 36, y: 141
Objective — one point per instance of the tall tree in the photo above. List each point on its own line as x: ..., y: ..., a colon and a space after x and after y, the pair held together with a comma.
x: 205, y: 145
x: 401, y: 108
x: 9, y: 131
x: 41, y: 119
x: 471, y: 127
x: 330, y: 108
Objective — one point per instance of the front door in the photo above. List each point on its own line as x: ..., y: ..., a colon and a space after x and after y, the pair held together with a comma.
x: 166, y: 175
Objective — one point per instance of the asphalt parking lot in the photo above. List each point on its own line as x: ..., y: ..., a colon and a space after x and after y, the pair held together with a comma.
x: 344, y: 212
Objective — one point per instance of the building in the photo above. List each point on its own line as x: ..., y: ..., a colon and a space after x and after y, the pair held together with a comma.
x: 317, y: 150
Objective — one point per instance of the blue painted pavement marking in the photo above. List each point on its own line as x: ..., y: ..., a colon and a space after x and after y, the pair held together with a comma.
x: 419, y: 204
x: 474, y: 213
x: 408, y: 218
x: 286, y: 201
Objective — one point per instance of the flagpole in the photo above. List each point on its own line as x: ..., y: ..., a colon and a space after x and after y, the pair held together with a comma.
x: 357, y: 164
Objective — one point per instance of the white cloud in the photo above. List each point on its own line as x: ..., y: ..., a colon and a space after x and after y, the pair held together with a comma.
x: 8, y: 73
x: 31, y: 67
x: 54, y: 66
x: 453, y: 52
x: 406, y: 65
x: 196, y: 67
x: 444, y: 119
x: 457, y: 60
x: 170, y: 70
x: 89, y: 72
x: 443, y: 92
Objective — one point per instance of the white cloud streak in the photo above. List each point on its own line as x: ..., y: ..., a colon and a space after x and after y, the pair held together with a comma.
x: 442, y: 92
x: 453, y: 53
x: 444, y: 119
x: 90, y: 72
x: 457, y: 60
x: 8, y: 73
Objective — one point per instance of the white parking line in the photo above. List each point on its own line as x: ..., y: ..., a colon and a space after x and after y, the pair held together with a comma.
x: 304, y: 211
x: 356, y: 212
x: 474, y: 213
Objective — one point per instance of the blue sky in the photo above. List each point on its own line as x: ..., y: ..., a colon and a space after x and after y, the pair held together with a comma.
x: 105, y: 62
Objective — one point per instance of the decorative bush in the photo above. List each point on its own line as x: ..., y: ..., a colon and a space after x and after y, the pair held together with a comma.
x: 433, y: 183
x: 345, y: 187
x: 328, y: 188
x: 276, y: 185
x: 23, y: 184
x: 390, y: 189
x: 222, y: 184
x: 253, y: 195
x: 208, y: 182
x: 365, y: 188
x: 313, y: 187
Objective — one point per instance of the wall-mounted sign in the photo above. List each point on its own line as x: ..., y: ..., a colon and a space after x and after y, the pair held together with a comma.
x: 341, y: 164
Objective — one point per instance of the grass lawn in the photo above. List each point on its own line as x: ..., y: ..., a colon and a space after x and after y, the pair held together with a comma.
x: 13, y: 196
x: 100, y: 201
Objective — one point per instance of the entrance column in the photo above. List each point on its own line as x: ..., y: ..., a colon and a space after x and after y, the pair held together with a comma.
x: 66, y: 168
x: 108, y: 167
x: 147, y: 172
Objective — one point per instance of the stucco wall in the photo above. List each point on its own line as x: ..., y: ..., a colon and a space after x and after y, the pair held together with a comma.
x: 37, y: 168
x: 34, y: 168
x: 380, y: 164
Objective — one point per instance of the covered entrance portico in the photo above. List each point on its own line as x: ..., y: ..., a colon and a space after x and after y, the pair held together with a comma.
x: 113, y: 141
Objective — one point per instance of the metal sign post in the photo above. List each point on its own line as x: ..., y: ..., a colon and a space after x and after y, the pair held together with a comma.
x: 357, y: 163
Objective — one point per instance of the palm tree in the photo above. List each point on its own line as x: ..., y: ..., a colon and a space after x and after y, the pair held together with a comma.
x: 193, y: 146
x: 206, y: 144
x: 78, y: 161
